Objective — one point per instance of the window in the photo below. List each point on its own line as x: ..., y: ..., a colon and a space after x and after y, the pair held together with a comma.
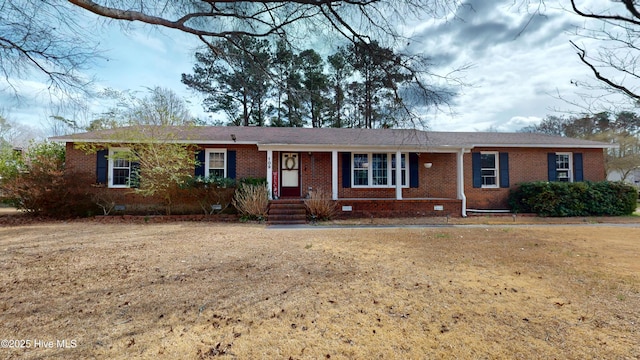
x: 489, y: 169
x: 216, y: 163
x: 563, y: 167
x: 379, y: 167
x: 403, y: 169
x: 119, y: 167
x: 378, y: 170
x: 360, y: 169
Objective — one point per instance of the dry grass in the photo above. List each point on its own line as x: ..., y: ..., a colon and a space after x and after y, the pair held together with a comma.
x: 202, y: 290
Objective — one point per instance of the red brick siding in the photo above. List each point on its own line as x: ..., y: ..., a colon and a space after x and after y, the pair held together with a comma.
x: 441, y: 178
x: 78, y: 161
x: 249, y: 161
x: 406, y: 208
x: 439, y: 181
x: 436, y: 182
x: 525, y: 164
x: 315, y: 172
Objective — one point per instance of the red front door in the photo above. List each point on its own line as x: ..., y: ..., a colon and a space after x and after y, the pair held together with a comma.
x: 290, y: 174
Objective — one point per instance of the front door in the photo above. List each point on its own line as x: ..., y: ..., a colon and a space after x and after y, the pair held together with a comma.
x: 290, y: 174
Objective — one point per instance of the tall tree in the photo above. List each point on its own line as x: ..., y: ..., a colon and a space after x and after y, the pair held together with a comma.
x: 233, y: 76
x: 315, y: 83
x: 340, y: 70
x: 159, y: 107
x: 14, y: 134
x: 551, y: 125
x: 381, y: 75
x: 51, y: 37
x: 288, y: 86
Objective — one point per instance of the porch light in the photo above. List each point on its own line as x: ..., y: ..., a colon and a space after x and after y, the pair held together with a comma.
x: 428, y: 165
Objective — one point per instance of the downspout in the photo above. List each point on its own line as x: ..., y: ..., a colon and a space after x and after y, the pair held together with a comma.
x: 269, y: 173
x: 460, y: 173
x: 334, y: 174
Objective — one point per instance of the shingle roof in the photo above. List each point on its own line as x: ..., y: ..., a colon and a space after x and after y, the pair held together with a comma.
x: 332, y: 137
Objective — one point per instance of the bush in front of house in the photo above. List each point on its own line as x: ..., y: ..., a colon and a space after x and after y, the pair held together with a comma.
x: 252, y: 201
x: 320, y: 205
x: 41, y: 186
x: 213, y: 194
x: 562, y: 199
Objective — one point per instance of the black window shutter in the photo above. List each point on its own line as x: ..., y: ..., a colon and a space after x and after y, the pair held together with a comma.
x: 200, y: 156
x: 551, y: 166
x: 476, y: 165
x: 346, y: 170
x: 577, y: 167
x: 231, y: 164
x: 504, y: 170
x: 414, y: 170
x: 102, y: 164
x: 134, y: 175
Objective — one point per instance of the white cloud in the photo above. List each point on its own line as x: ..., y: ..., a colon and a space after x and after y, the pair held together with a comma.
x: 518, y: 70
x: 147, y: 40
x: 520, y: 62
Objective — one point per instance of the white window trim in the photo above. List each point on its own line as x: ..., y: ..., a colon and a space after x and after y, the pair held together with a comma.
x: 207, y: 158
x: 406, y: 169
x: 370, y: 172
x: 497, y: 162
x: 570, y: 174
x: 111, y: 159
x: 353, y: 170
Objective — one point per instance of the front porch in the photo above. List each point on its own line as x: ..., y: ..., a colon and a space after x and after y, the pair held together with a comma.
x: 292, y: 211
x: 429, y: 183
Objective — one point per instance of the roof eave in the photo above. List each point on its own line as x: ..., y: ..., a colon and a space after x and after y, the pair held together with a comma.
x: 364, y: 148
x: 563, y: 146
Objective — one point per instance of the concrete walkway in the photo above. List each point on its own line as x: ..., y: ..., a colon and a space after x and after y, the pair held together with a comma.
x: 418, y: 226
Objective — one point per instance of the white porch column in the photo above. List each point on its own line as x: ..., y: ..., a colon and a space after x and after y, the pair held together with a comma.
x: 399, y: 175
x: 460, y: 173
x: 334, y: 175
x: 270, y: 172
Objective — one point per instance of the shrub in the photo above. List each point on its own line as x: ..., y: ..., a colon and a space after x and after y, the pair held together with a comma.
x: 106, y: 199
x: 43, y: 187
x: 574, y: 199
x: 320, y: 205
x: 252, y: 201
x: 210, y: 191
x: 254, y: 181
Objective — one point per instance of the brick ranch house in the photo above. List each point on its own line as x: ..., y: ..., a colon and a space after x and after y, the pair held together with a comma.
x: 441, y: 173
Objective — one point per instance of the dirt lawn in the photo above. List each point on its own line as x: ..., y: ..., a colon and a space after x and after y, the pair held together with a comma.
x: 83, y: 290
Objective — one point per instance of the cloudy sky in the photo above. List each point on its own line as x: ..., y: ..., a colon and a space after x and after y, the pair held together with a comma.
x: 519, y: 63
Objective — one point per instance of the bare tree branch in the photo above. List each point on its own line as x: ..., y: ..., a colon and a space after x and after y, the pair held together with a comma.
x: 42, y: 36
x: 582, y: 54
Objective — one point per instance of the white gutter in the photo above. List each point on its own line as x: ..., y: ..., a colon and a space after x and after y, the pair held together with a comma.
x: 340, y: 147
x: 362, y: 148
x: 548, y: 146
x: 460, y: 182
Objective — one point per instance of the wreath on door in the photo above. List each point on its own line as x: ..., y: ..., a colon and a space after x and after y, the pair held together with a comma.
x: 290, y: 165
